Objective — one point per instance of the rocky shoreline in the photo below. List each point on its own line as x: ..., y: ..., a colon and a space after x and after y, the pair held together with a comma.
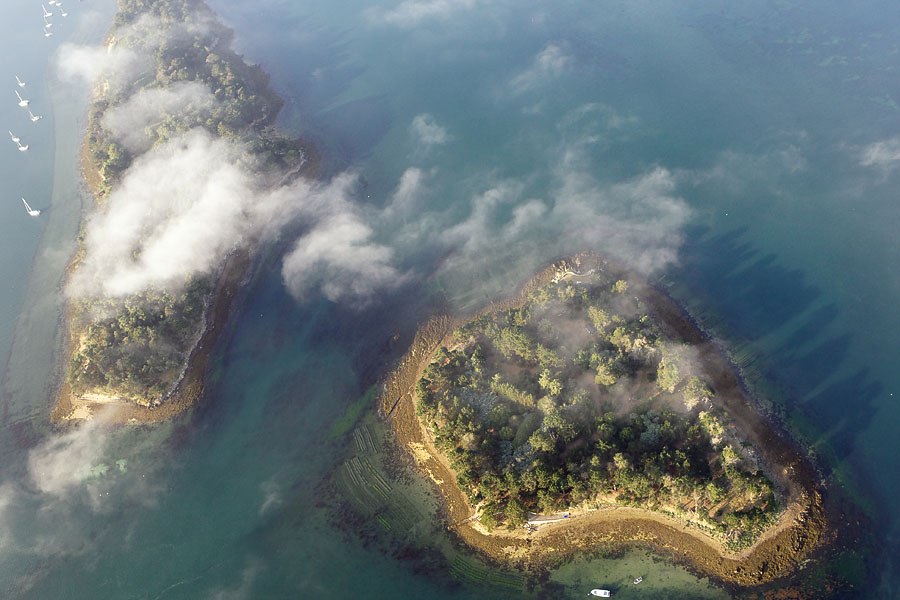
x: 780, y: 552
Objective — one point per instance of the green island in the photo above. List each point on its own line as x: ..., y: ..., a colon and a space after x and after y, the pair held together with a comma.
x: 578, y: 398
x: 149, y: 349
x: 588, y: 413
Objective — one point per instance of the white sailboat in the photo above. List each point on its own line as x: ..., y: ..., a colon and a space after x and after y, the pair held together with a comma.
x: 46, y: 14
x: 62, y: 12
x: 47, y: 24
x: 14, y: 137
x: 48, y: 33
x: 21, y: 147
x: 31, y: 211
x: 22, y: 101
x: 34, y: 117
x: 20, y: 82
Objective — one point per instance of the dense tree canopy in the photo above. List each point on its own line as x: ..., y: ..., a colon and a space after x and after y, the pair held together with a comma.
x: 576, y: 396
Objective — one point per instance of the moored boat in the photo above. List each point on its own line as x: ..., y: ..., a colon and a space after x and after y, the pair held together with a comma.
x: 31, y: 211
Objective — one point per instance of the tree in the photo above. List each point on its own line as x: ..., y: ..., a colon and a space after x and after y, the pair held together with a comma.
x: 515, y: 513
x: 566, y: 292
x: 667, y: 376
x: 549, y: 383
x: 650, y: 436
x: 541, y: 441
x: 605, y: 375
x: 599, y: 317
x: 560, y: 426
x: 620, y: 287
x: 488, y: 519
x: 695, y: 391
x: 714, y: 492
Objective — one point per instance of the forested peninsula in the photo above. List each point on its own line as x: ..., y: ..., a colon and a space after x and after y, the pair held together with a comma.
x: 588, y: 410
x: 146, y: 352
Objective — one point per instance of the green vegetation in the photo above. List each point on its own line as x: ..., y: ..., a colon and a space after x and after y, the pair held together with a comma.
x: 137, y: 347
x: 346, y: 421
x: 185, y: 43
x: 577, y: 398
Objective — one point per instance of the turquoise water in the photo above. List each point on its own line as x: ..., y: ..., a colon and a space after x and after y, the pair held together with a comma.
x: 719, y: 146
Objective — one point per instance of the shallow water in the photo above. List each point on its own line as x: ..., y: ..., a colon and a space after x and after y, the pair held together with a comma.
x: 759, y: 114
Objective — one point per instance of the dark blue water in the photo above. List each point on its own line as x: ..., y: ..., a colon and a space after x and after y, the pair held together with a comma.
x: 728, y: 150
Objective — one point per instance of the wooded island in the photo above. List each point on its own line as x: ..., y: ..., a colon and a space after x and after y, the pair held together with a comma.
x: 577, y: 397
x: 136, y: 349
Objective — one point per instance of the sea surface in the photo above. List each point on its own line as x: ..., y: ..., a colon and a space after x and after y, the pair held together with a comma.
x: 742, y: 155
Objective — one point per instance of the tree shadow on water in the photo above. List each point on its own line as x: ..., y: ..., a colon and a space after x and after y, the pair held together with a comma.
x: 757, y: 297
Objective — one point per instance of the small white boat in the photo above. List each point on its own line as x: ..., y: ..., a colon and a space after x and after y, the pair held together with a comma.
x: 47, y: 24
x: 34, y: 117
x: 22, y: 101
x: 21, y: 147
x: 46, y: 13
x: 31, y: 211
x: 48, y: 33
x: 601, y: 593
x: 14, y: 137
x: 638, y: 580
x: 64, y: 13
x: 20, y: 82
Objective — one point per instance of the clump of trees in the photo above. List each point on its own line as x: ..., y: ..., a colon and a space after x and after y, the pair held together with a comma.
x: 137, y: 347
x: 509, y: 406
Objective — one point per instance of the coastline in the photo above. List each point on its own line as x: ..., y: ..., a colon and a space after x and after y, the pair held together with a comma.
x: 801, y: 529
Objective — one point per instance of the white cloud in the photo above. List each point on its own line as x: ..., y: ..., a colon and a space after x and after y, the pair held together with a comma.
x: 243, y: 589
x: 639, y: 221
x: 64, y: 462
x: 428, y: 132
x: 407, y: 196
x: 271, y: 496
x: 70, y: 483
x: 340, y: 258
x: 483, y: 228
x: 595, y: 116
x: 92, y: 65
x: 185, y: 203
x: 548, y: 64
x: 128, y: 121
x: 182, y: 206
x: 177, y: 212
x: 884, y: 154
x: 411, y: 13
x: 734, y: 173
x: 7, y: 497
x: 119, y: 64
